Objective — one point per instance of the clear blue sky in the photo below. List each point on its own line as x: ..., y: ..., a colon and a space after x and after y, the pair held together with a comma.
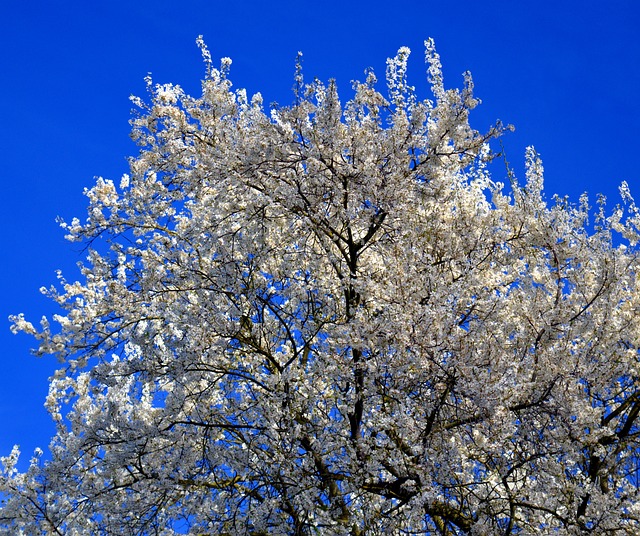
x: 565, y: 73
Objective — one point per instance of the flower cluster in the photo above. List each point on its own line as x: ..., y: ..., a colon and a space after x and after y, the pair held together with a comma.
x: 329, y: 319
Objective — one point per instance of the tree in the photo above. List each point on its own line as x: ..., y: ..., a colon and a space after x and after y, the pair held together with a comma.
x: 331, y: 320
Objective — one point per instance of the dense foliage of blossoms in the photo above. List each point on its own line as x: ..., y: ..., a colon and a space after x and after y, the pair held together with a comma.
x: 329, y: 319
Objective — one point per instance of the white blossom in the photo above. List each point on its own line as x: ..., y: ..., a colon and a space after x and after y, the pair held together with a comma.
x: 330, y: 319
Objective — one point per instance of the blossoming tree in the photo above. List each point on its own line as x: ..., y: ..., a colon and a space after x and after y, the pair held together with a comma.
x: 329, y: 319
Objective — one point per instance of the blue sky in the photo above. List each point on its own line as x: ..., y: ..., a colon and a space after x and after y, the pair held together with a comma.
x: 565, y: 73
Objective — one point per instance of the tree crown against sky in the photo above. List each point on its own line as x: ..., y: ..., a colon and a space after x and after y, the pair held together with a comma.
x: 329, y: 319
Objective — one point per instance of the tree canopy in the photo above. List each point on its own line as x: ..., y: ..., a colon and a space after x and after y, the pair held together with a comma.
x: 329, y: 319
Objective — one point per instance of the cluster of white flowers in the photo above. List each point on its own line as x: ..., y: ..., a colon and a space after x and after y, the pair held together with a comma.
x: 329, y: 319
